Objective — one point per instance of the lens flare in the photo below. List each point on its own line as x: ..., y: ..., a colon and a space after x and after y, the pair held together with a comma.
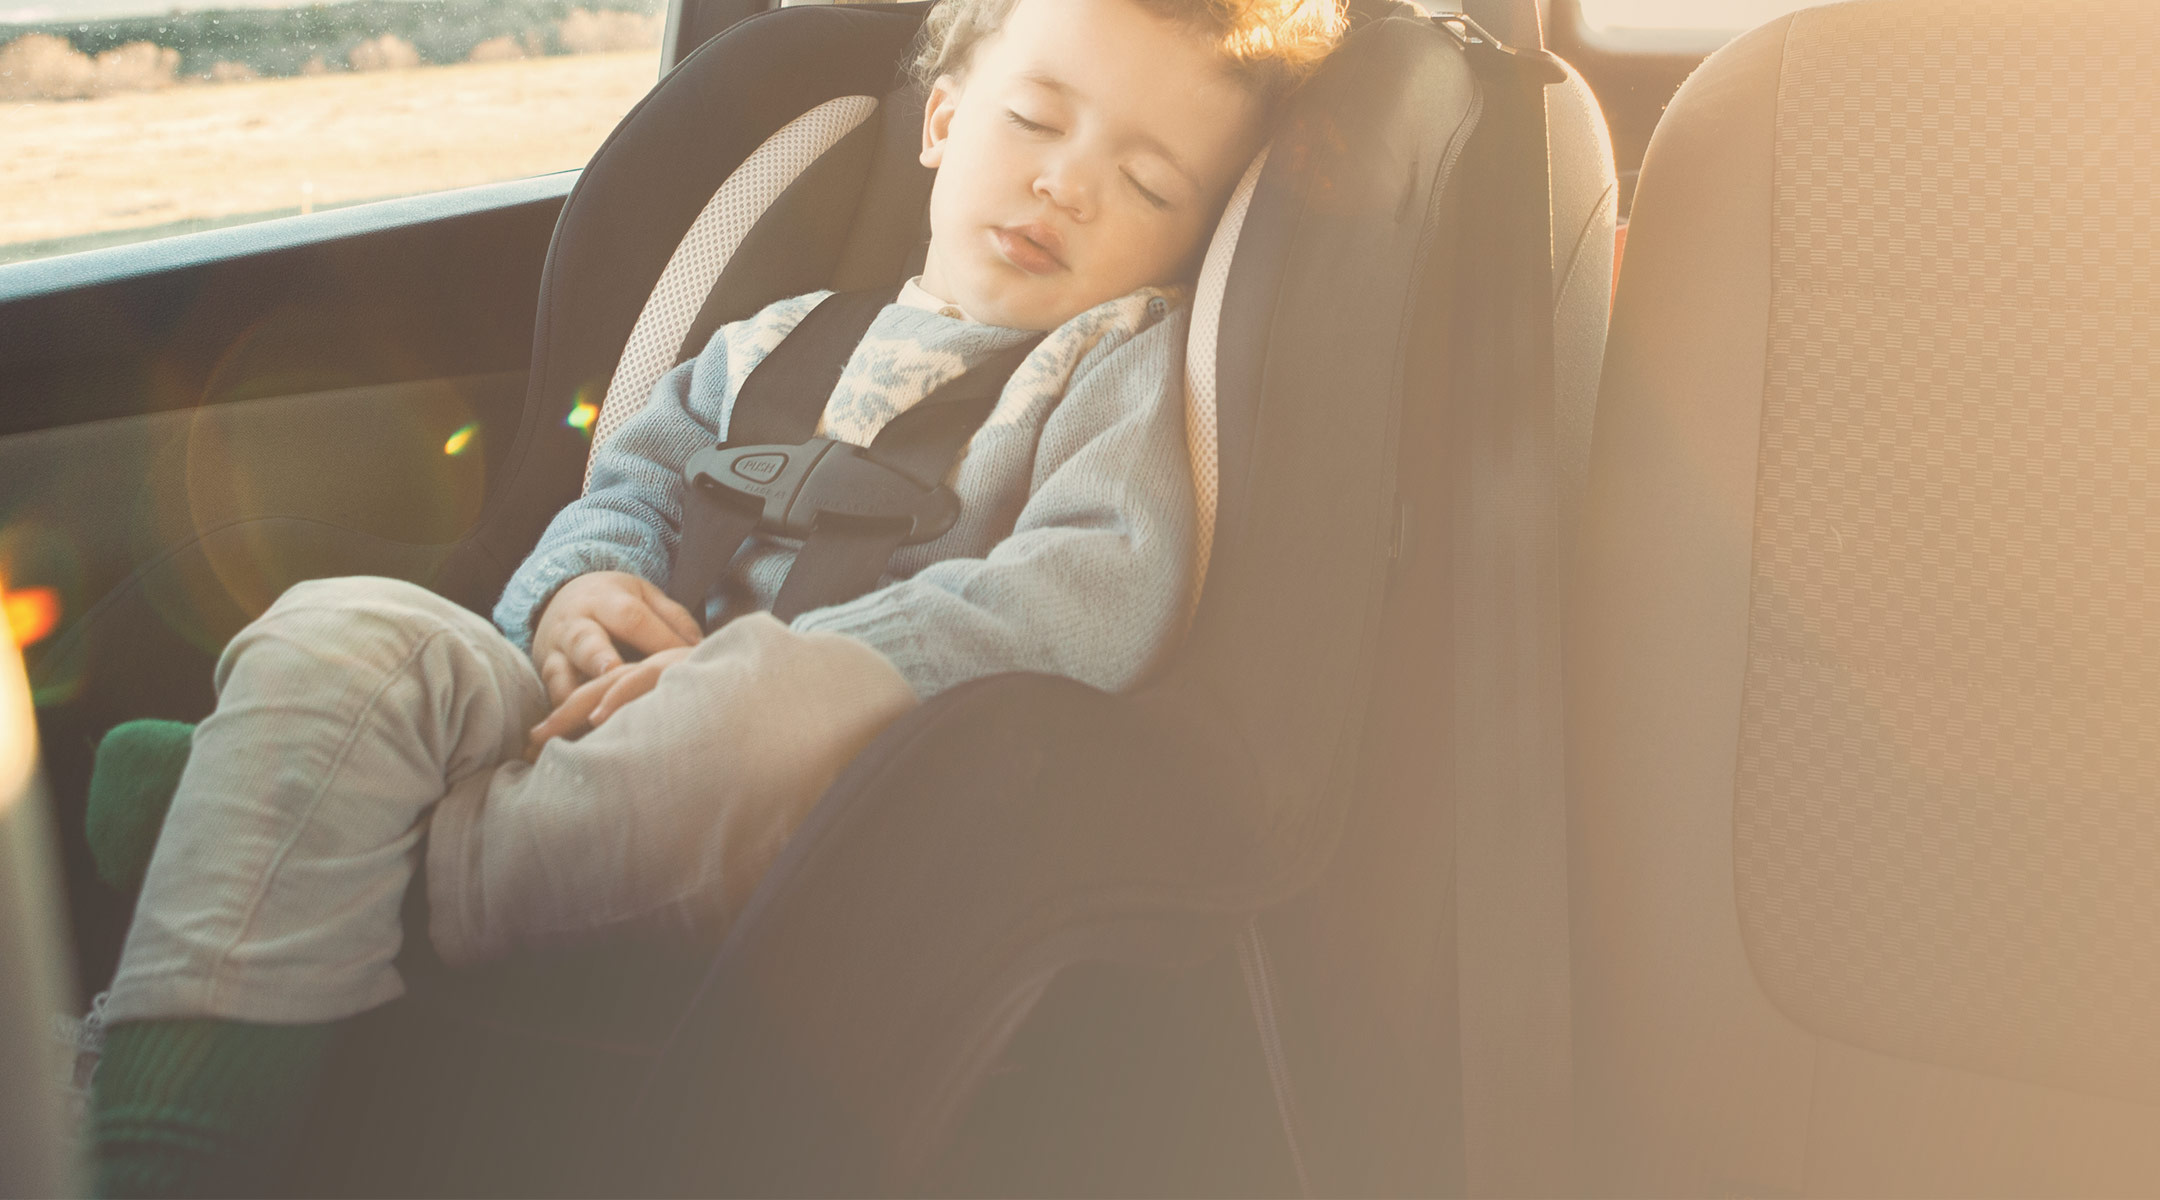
x: 32, y: 613
x: 39, y: 558
x: 18, y: 735
x: 461, y: 439
x: 582, y: 416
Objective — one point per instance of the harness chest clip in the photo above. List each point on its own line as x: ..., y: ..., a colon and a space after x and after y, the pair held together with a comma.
x: 793, y: 486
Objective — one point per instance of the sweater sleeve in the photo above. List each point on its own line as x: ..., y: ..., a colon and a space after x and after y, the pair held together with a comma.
x: 630, y: 517
x: 1092, y: 583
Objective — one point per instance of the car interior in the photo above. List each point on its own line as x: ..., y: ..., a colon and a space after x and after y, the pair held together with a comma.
x: 1668, y: 710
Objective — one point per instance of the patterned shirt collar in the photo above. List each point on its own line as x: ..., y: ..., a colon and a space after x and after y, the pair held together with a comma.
x: 914, y: 295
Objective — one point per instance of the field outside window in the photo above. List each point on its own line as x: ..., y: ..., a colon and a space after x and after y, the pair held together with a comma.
x: 116, y: 126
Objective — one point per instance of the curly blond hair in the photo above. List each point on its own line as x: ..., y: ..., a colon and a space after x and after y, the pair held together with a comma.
x: 1269, y: 45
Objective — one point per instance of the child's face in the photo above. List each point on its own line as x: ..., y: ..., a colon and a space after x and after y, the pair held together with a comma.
x: 1085, y: 151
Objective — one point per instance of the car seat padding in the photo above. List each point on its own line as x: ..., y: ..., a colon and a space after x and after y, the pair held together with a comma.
x: 797, y: 245
x: 657, y: 340
x: 1201, y: 418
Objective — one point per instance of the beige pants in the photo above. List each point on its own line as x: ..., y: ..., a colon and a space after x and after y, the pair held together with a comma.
x: 363, y: 722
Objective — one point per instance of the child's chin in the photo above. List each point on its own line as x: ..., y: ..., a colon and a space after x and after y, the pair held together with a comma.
x: 1005, y: 295
x: 1038, y: 317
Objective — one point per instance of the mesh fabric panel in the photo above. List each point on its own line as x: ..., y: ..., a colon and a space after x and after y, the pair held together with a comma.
x: 1202, y: 440
x: 1947, y: 822
x: 704, y: 251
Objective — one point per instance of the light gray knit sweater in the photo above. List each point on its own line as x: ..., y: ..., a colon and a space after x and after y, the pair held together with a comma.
x: 1073, y: 554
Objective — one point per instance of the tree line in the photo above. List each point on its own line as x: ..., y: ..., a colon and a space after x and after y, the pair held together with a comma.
x: 293, y: 41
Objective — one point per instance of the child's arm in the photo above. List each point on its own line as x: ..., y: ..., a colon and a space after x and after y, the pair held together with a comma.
x: 630, y: 517
x: 1094, y: 580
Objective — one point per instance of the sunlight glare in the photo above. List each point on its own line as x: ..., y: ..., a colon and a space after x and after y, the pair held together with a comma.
x: 31, y: 613
x: 18, y: 729
x: 1723, y: 15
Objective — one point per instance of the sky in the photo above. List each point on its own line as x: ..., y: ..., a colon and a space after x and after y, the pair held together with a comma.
x: 1685, y: 14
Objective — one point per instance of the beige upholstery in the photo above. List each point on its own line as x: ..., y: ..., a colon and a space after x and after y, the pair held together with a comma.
x: 1202, y: 429
x: 655, y: 343
x: 1586, y: 206
x: 1865, y: 674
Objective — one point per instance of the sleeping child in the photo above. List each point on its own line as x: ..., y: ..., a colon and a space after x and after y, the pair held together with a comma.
x: 592, y: 763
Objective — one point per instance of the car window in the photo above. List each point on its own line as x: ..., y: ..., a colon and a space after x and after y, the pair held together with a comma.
x: 122, y: 120
x: 1724, y: 16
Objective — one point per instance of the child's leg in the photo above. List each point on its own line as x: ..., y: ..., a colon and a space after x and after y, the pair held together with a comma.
x: 343, y: 713
x: 271, y: 904
x: 664, y: 818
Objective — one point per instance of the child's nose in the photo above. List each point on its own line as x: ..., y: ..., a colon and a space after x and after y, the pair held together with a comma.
x: 1065, y: 185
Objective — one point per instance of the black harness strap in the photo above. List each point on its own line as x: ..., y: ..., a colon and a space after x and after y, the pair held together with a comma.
x: 781, y: 401
x: 847, y: 556
x: 851, y: 506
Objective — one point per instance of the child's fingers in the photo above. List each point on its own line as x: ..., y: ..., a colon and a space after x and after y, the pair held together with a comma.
x: 572, y: 716
x: 559, y: 676
x: 628, y: 686
x: 633, y: 622
x: 675, y: 615
x: 590, y: 649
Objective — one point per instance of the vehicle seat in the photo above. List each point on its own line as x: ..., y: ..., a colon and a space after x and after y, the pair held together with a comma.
x: 1864, y: 677
x: 1376, y: 1065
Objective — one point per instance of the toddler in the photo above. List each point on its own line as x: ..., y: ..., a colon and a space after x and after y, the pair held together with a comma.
x: 590, y: 764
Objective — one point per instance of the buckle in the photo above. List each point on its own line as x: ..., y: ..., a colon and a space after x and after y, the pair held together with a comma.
x: 1541, y: 65
x: 793, y: 486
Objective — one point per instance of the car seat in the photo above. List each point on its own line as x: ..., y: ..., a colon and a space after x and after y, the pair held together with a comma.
x: 1865, y: 677
x: 1373, y: 419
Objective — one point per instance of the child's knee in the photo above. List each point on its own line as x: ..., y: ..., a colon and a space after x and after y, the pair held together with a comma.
x: 668, y: 815
x: 350, y: 594
x: 364, y: 621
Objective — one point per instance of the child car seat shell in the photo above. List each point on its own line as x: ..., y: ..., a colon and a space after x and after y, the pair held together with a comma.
x: 1022, y: 824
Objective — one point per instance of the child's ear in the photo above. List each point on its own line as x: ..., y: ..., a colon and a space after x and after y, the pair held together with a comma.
x: 937, y: 118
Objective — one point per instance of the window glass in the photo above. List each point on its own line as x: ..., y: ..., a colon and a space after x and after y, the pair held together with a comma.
x: 1727, y: 16
x: 122, y: 120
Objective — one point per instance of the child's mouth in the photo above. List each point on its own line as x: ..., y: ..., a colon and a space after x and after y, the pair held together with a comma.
x: 1032, y: 248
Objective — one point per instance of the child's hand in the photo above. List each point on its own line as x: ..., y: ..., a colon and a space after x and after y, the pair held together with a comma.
x: 592, y: 703
x: 575, y: 639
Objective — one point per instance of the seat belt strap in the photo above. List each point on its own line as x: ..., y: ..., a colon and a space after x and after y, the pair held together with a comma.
x: 1510, y: 787
x: 844, y: 558
x: 786, y: 393
x: 781, y: 401
x: 851, y: 506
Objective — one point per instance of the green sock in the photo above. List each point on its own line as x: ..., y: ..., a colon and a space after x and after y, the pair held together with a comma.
x: 132, y: 782
x: 202, y: 1107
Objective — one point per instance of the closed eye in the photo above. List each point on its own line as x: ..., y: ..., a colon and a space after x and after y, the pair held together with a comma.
x: 1024, y: 123
x: 1145, y: 194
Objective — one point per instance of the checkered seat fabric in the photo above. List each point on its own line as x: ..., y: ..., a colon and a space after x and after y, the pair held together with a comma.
x: 1868, y: 792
